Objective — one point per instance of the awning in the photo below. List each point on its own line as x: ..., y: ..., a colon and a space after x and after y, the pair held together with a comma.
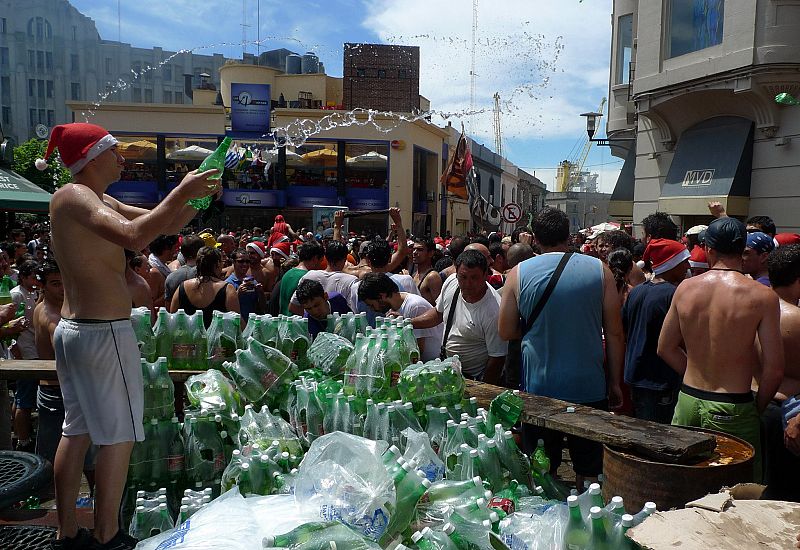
x: 19, y: 194
x: 621, y: 202
x: 713, y: 162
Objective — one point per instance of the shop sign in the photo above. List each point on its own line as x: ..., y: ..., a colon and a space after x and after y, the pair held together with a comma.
x: 135, y: 192
x: 697, y: 178
x: 299, y: 196
x: 254, y: 198
x: 367, y: 199
x: 250, y: 109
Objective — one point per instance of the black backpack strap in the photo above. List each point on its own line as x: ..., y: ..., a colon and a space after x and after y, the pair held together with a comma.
x: 450, y: 316
x: 551, y: 285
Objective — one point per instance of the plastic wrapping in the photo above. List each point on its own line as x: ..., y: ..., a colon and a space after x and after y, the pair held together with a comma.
x: 224, y: 337
x: 342, y: 477
x: 373, y: 370
x: 261, y: 373
x: 212, y: 392
x: 329, y: 353
x: 140, y: 319
x: 263, y: 428
x: 437, y: 383
x: 418, y: 449
x: 181, y: 338
x: 535, y: 531
x: 158, y: 390
x: 347, y: 326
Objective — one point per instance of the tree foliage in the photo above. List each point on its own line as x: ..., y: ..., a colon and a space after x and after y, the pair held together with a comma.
x: 52, y: 178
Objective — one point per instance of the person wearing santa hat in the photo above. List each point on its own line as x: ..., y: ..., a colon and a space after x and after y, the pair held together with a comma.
x: 708, y: 336
x: 654, y: 385
x: 262, y: 268
x: 97, y: 357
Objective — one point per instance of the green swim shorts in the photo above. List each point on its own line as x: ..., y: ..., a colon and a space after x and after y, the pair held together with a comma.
x: 731, y: 413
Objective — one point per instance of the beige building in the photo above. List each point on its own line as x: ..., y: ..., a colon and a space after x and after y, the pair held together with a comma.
x: 697, y: 94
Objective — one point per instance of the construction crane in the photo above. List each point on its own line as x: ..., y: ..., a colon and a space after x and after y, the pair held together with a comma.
x: 570, y: 172
x: 498, y: 138
x: 472, y: 65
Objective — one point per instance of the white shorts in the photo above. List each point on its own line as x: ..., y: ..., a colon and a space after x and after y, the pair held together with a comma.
x: 99, y: 369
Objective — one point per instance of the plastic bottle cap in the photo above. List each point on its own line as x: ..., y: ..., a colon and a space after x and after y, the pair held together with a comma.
x: 443, y: 410
x: 594, y: 489
x: 618, y: 501
x: 236, y: 452
x: 370, y: 402
x: 140, y: 509
x: 477, y: 481
x: 570, y: 409
x: 481, y: 502
x: 473, y: 453
x: 627, y: 520
x: 538, y: 490
x: 426, y: 530
x: 245, y: 466
x: 268, y: 542
x: 494, y: 517
x: 596, y: 512
x: 332, y: 545
x: 415, y: 538
x: 572, y: 501
x: 448, y: 528
x: 491, y: 444
x: 650, y: 507
x: 406, y: 467
x: 162, y: 506
x: 426, y: 482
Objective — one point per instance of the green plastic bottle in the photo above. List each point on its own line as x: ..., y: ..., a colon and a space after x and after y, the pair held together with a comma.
x: 212, y: 161
x: 507, y: 408
x: 786, y: 99
x: 298, y: 535
x: 576, y: 537
x: 540, y: 456
x: 6, y: 284
x: 600, y: 538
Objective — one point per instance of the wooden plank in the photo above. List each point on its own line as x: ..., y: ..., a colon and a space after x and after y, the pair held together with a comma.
x: 660, y: 442
x: 44, y: 369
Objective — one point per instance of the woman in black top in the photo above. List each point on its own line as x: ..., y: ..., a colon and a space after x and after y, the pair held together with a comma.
x: 206, y: 292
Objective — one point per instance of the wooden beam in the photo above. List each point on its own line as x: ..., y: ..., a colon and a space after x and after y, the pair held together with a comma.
x: 660, y: 442
x: 44, y: 369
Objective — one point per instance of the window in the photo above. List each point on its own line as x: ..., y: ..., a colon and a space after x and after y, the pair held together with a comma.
x: 39, y: 27
x: 42, y: 116
x: 148, y: 96
x: 75, y: 91
x: 137, y: 95
x: 361, y: 73
x: 3, y: 25
x: 40, y: 60
x: 694, y: 25
x: 31, y: 59
x: 5, y: 84
x: 6, y: 115
x: 32, y: 120
x: 30, y: 27
x: 502, y: 200
x: 48, y: 60
x: 31, y: 87
x: 4, y: 57
x: 51, y: 118
x: 40, y: 88
x: 381, y: 73
x: 167, y: 96
x: 49, y: 88
x: 74, y: 63
x: 166, y: 72
x: 108, y: 65
x: 624, y: 47
x: 74, y: 32
x: 178, y: 97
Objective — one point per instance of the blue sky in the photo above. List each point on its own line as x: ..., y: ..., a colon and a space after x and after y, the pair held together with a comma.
x: 548, y: 59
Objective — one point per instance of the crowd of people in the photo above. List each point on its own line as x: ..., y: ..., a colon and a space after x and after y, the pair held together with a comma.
x: 698, y: 329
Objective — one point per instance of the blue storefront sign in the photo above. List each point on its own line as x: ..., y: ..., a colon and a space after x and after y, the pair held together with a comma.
x: 135, y: 192
x: 367, y: 199
x: 250, y: 109
x: 254, y: 198
x: 299, y: 196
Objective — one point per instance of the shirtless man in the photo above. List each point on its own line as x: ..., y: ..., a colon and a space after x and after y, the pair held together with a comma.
x: 781, y: 419
x: 708, y: 337
x: 426, y: 278
x: 398, y: 257
x: 137, y: 285
x: 261, y: 270
x: 97, y: 358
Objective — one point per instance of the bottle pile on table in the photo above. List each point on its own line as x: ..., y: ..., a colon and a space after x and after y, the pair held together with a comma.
x: 454, y: 475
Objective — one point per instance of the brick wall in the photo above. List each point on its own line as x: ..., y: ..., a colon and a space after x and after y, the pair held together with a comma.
x: 382, y: 77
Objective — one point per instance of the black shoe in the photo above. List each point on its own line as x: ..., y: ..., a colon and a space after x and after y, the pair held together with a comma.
x: 120, y: 541
x: 82, y: 540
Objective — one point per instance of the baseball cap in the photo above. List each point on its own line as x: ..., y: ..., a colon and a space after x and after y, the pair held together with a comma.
x: 726, y: 235
x: 760, y: 242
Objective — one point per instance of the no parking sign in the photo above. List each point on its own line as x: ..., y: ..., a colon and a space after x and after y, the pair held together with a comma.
x: 512, y: 212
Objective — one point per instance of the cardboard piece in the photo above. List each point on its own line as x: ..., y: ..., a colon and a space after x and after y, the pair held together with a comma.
x: 742, y: 524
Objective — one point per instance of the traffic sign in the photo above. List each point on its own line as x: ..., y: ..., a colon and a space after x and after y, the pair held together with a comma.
x: 512, y: 212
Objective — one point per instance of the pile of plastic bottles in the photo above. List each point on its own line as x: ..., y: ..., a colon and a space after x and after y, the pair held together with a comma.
x: 283, y: 415
x: 347, y: 326
x: 153, y: 515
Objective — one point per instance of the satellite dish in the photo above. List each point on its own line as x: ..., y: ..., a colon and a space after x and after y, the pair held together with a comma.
x: 42, y: 131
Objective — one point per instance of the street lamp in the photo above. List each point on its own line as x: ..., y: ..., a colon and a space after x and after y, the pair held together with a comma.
x: 591, y: 128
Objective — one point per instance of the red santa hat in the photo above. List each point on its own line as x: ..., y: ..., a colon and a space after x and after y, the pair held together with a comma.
x: 77, y: 143
x: 282, y: 249
x: 665, y: 254
x: 257, y: 247
x: 698, y: 259
x: 782, y: 239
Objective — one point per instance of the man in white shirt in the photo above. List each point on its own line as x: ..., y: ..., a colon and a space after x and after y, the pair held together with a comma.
x: 25, y: 396
x: 381, y: 294
x: 473, y: 336
x: 332, y: 278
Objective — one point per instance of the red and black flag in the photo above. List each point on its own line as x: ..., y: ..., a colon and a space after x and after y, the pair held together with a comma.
x: 455, y: 176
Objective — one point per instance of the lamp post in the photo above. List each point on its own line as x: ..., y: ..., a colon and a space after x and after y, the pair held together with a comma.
x: 591, y: 128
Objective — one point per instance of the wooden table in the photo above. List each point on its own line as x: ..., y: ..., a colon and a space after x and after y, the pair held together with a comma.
x: 648, y: 439
x: 660, y: 442
x: 43, y: 369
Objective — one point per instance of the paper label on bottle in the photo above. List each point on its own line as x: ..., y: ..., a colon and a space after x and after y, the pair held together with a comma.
x: 175, y: 463
x: 268, y: 379
x: 505, y: 504
x: 183, y: 351
x: 219, y: 462
x: 394, y: 378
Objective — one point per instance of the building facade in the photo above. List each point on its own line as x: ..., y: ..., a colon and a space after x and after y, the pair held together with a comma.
x: 584, y: 209
x: 694, y: 83
x: 383, y: 77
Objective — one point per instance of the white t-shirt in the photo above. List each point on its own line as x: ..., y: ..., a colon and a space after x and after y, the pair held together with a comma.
x: 331, y: 281
x: 26, y: 340
x: 474, y: 336
x: 405, y: 283
x: 414, y: 306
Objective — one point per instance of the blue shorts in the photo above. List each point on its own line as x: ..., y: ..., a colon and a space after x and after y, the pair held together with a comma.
x: 790, y: 408
x: 25, y: 394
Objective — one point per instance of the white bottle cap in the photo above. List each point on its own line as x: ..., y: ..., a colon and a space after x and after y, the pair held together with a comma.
x: 448, y: 528
x: 650, y: 507
x: 596, y: 512
x: 570, y: 409
x: 572, y: 501
x: 415, y: 538
x: 617, y: 501
x: 627, y: 520
x: 494, y: 517
x: 594, y: 489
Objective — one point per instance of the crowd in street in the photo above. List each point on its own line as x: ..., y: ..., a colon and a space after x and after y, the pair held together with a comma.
x: 699, y: 329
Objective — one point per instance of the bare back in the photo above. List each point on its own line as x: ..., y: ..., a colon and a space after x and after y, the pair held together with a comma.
x: 45, y: 319
x: 790, y: 335
x: 92, y: 267
x: 720, y: 313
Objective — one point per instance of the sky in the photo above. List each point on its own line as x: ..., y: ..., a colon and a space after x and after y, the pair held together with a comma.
x: 547, y: 59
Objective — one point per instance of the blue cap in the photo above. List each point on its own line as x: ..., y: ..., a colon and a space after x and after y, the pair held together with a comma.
x: 760, y: 242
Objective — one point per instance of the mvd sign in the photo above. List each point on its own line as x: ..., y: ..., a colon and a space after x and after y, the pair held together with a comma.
x: 698, y: 178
